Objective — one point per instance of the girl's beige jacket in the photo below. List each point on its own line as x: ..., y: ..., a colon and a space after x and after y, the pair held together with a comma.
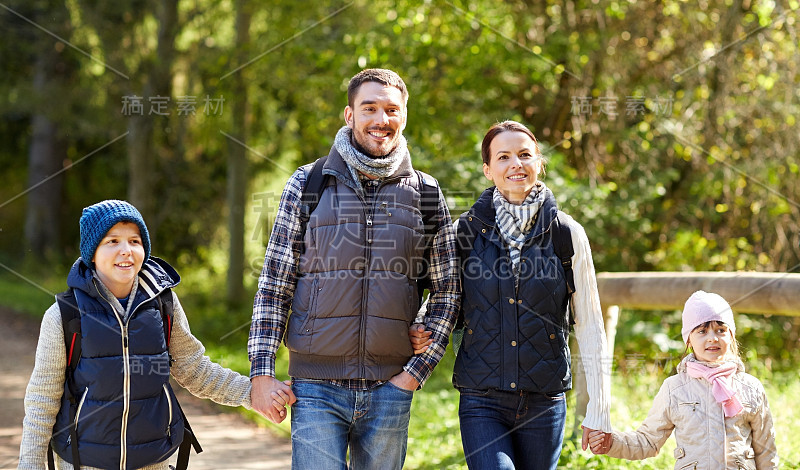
x: 706, y: 439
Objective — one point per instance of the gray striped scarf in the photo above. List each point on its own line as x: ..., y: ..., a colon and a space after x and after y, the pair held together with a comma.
x: 515, y: 221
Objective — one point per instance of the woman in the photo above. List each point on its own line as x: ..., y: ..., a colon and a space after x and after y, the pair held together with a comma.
x: 513, y: 365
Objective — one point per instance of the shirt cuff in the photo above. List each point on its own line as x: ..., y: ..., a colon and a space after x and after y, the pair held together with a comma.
x: 419, y: 369
x: 262, y: 365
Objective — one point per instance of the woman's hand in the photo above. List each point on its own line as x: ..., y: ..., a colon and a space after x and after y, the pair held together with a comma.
x: 420, y: 338
x: 598, y: 441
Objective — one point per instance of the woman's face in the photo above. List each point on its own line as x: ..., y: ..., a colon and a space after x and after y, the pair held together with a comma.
x: 514, y: 165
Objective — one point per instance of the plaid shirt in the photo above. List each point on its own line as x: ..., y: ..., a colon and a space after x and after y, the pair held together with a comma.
x: 278, y: 280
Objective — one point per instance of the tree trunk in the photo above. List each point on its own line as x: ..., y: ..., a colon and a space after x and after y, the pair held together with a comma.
x: 47, y: 152
x: 237, y: 162
x: 142, y: 145
x: 45, y: 159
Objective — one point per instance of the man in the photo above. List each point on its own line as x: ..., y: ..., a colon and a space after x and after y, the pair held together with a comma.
x: 350, y: 280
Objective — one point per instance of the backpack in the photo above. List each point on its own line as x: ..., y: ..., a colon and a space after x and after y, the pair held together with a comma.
x: 71, y: 323
x: 429, y: 204
x: 562, y: 245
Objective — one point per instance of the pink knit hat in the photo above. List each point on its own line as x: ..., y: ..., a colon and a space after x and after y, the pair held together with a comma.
x: 704, y: 307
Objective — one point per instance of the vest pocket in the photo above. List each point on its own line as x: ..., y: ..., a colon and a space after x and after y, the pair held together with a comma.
x: 554, y: 336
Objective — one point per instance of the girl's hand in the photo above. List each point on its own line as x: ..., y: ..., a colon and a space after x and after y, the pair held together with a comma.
x: 600, y: 442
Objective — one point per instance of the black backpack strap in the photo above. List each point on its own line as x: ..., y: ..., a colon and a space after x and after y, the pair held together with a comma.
x: 165, y: 305
x: 562, y: 245
x: 167, y: 308
x: 429, y: 207
x: 465, y: 238
x: 189, y: 441
x: 71, y: 324
x: 51, y: 464
x: 315, y: 183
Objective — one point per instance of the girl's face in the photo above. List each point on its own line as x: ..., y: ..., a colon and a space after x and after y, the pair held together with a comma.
x: 710, y: 341
x: 514, y: 166
x: 119, y: 258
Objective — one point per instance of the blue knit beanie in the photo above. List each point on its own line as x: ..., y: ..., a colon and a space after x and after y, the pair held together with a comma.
x: 98, y: 219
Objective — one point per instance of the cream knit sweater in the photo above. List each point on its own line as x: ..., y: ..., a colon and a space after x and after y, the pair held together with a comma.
x: 590, y: 332
x: 192, y: 370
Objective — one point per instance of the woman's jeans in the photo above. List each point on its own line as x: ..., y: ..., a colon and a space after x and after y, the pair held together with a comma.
x: 326, y: 419
x: 511, y: 430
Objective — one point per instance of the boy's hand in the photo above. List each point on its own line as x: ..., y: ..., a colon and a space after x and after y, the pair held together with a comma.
x: 598, y: 441
x: 420, y: 338
x: 269, y: 396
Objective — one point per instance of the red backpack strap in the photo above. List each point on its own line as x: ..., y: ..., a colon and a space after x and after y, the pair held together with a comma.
x: 166, y: 306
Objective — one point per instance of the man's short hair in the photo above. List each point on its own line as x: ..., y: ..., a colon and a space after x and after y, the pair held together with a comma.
x: 383, y: 76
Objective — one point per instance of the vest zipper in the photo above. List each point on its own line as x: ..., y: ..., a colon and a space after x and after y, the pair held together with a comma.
x: 169, y: 406
x: 80, y: 405
x: 362, y: 339
x: 126, y: 395
x: 126, y: 382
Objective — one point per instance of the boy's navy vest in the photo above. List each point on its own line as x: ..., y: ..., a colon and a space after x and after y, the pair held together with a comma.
x: 124, y: 408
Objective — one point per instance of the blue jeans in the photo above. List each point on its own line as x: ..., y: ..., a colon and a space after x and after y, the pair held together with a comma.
x: 326, y: 419
x: 511, y: 430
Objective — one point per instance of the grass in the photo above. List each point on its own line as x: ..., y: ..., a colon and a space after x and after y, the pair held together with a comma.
x: 434, y: 439
x: 29, y: 296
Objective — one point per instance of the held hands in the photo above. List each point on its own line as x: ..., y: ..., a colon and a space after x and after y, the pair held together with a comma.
x: 598, y: 441
x: 269, y: 396
x: 420, y: 338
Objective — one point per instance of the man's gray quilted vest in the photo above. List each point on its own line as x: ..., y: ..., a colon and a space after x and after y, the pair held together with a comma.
x: 356, y: 292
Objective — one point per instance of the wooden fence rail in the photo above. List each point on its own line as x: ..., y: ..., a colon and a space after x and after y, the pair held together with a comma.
x: 755, y: 293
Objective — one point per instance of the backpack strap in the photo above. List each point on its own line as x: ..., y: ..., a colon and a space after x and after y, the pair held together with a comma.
x: 562, y: 245
x: 315, y: 183
x: 189, y: 441
x: 429, y: 207
x: 166, y: 307
x: 71, y: 324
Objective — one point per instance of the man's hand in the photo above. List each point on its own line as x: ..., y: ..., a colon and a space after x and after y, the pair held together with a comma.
x: 420, y: 339
x: 405, y: 381
x: 269, y: 396
x: 598, y: 441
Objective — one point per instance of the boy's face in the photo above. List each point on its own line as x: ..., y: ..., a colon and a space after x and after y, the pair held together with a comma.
x: 119, y: 258
x: 710, y: 342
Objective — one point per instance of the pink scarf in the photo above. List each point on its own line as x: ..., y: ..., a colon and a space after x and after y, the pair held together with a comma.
x: 720, y: 379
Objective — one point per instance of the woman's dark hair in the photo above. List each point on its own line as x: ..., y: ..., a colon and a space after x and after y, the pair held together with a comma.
x: 499, y: 128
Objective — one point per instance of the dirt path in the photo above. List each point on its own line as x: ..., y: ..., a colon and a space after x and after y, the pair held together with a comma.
x: 229, y: 441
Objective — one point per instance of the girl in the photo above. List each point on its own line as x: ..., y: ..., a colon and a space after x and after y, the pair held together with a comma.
x: 720, y: 414
x: 118, y: 404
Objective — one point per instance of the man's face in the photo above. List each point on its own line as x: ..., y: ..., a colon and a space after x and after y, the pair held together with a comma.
x: 377, y: 118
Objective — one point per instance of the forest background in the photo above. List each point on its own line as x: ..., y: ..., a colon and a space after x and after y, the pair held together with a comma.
x: 670, y: 130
